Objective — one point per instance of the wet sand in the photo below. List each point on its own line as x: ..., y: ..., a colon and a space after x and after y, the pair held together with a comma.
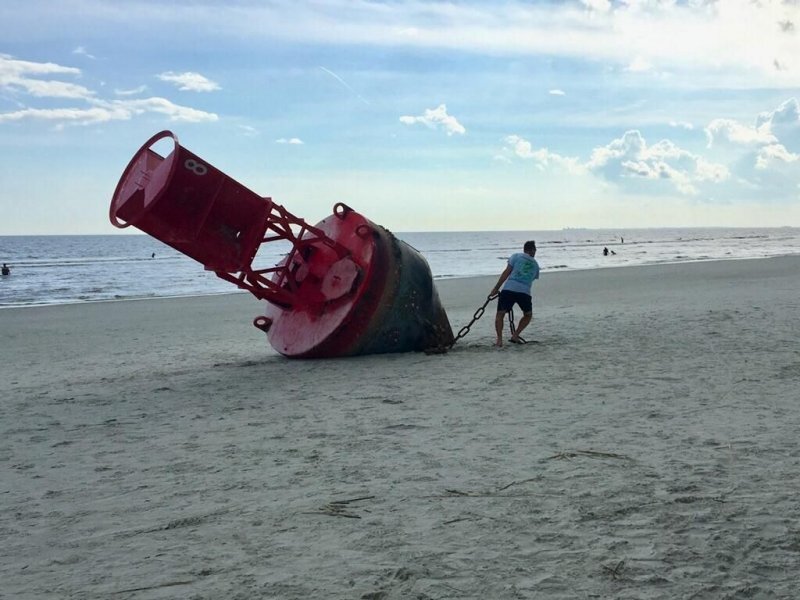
x: 646, y: 447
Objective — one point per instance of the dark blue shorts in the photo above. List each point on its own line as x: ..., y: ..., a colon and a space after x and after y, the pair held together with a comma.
x: 507, y: 300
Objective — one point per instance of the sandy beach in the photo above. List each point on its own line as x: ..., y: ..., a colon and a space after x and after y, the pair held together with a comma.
x: 645, y: 447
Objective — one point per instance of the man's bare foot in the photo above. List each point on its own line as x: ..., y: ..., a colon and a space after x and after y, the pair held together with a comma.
x: 498, y: 343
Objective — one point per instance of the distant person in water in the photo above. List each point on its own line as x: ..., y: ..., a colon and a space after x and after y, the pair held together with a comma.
x: 516, y: 282
x: 6, y: 269
x: 153, y: 255
x: 605, y: 251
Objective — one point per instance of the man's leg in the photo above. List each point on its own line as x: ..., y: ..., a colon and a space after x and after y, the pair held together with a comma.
x: 499, y: 319
x: 523, y: 323
x: 526, y: 304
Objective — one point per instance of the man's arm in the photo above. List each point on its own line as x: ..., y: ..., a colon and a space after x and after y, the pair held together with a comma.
x: 503, y: 276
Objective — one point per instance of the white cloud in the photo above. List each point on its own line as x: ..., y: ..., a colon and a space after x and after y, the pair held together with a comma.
x: 51, y: 89
x: 436, y: 117
x: 175, y: 112
x: 293, y: 141
x: 249, y: 131
x: 682, y: 124
x: 189, y: 81
x: 727, y: 130
x: 737, y: 40
x: 629, y: 145
x: 520, y: 146
x: 769, y: 150
x: 81, y: 50
x: 17, y: 76
x: 708, y: 171
x: 117, y: 110
x: 659, y: 170
x: 23, y: 76
x: 131, y: 92
x: 758, y: 164
x: 783, y: 123
x: 661, y: 161
x: 79, y: 116
x: 557, y: 93
x: 739, y: 37
x: 626, y: 159
x: 768, y: 155
x: 10, y: 67
x: 542, y: 157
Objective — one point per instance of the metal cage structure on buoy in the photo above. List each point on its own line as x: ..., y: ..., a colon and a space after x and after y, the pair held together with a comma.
x: 345, y: 287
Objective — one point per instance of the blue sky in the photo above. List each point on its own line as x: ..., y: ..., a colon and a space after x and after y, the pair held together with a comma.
x: 424, y: 116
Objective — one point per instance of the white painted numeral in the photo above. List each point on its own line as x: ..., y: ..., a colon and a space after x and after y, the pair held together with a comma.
x: 195, y: 167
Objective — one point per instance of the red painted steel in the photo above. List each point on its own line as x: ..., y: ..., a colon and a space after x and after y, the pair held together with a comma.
x: 346, y: 286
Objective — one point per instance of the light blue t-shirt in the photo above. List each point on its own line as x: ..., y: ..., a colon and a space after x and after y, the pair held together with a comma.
x: 524, y: 269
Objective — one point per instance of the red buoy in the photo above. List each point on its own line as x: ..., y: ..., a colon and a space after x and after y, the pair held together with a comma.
x: 347, y: 286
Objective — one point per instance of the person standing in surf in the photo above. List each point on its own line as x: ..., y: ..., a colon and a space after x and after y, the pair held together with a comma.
x: 516, y: 281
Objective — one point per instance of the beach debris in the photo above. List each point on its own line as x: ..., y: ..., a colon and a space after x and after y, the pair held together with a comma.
x: 590, y: 453
x: 184, y: 522
x: 615, y: 571
x: 345, y: 287
x: 176, y: 523
x: 155, y: 587
x: 457, y: 520
x: 339, y: 508
x: 395, y: 583
x: 496, y: 492
x: 691, y: 499
x: 505, y: 487
x: 452, y: 587
x: 474, y: 517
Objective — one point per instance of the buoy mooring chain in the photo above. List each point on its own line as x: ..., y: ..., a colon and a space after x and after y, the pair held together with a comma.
x: 442, y: 349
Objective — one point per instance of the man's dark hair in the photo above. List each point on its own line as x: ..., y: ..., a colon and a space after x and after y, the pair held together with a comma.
x: 529, y: 245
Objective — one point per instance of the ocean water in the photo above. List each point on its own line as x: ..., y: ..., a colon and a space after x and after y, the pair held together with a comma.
x: 70, y: 269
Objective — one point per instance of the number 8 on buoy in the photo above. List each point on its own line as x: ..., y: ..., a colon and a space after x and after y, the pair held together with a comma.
x: 195, y: 167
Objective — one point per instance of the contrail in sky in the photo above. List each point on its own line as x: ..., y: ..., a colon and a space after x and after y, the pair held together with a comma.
x: 344, y: 83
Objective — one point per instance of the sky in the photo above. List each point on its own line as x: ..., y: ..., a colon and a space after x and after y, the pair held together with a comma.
x: 423, y: 116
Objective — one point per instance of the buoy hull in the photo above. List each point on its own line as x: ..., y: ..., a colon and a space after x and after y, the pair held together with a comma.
x: 392, y: 306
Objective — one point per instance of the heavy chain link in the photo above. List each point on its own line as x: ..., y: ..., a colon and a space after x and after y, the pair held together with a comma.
x: 478, y: 314
x: 511, y: 325
x: 465, y: 329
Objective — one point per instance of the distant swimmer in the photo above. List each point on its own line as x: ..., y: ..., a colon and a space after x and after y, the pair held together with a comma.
x: 6, y: 269
x: 605, y: 251
x: 153, y: 255
x: 621, y: 240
